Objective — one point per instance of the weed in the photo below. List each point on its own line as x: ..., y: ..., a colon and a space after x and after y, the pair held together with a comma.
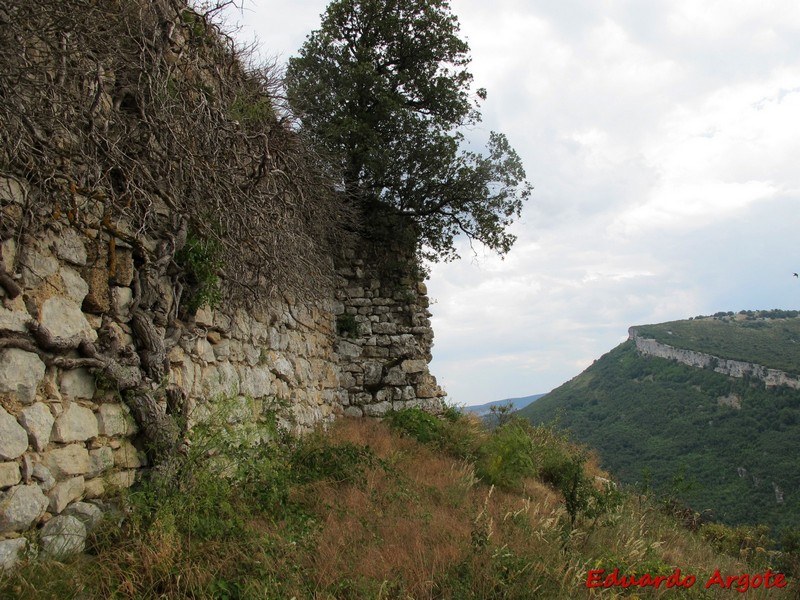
x: 201, y: 261
x: 347, y: 326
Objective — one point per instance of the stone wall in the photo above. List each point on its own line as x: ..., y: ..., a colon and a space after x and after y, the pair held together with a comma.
x: 66, y: 441
x: 701, y: 360
x: 385, y: 340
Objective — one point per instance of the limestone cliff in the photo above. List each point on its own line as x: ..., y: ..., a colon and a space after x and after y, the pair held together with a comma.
x: 701, y: 360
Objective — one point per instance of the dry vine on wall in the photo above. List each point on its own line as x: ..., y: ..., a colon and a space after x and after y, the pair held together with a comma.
x: 138, y: 120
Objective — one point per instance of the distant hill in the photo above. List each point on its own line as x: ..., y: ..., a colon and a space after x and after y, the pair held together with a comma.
x: 516, y: 404
x: 723, y: 443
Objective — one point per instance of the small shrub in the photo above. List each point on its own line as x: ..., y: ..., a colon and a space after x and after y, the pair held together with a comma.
x: 346, y: 325
x: 201, y: 260
x: 507, y: 456
x: 422, y: 426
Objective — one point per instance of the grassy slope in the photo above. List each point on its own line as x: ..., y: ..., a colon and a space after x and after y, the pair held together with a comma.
x: 369, y: 513
x: 656, y: 415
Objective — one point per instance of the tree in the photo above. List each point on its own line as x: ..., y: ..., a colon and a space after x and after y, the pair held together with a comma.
x: 383, y: 86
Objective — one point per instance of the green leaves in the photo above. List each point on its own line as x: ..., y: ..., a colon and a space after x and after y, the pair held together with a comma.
x: 383, y: 86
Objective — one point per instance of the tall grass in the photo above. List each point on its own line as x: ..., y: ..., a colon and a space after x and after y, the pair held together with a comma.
x: 366, y: 510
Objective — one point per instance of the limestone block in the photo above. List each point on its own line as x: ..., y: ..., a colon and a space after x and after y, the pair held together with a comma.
x: 100, y: 460
x: 15, y: 316
x: 353, y: 412
x: 302, y: 370
x: 65, y: 492
x: 13, y: 190
x: 43, y: 475
x: 121, y: 299
x: 98, y: 300
x: 10, y: 551
x: 373, y: 370
x: 20, y: 507
x: 68, y: 246
x: 35, y: 267
x: 280, y: 366
x: 128, y: 457
x: 222, y: 348
x: 251, y: 354
x: 347, y: 350
x: 378, y: 409
x: 278, y: 340
x: 184, y: 376
x: 94, y: 488
x: 76, y: 424
x: 63, y: 536
x: 414, y: 366
x: 78, y: 383
x: 64, y: 318
x: 256, y: 381
x: 203, y: 350
x: 122, y: 266
x: 115, y: 420
x: 67, y: 461
x: 87, y: 513
x: 13, y: 438
x: 121, y: 480
x: 395, y: 376
x: 20, y: 373
x: 228, y: 379
x: 74, y: 284
x: 204, y: 317
x: 9, y: 474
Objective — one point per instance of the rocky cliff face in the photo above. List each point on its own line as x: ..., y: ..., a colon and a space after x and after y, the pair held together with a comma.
x: 700, y: 360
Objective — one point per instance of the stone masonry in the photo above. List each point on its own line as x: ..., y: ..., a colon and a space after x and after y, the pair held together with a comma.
x: 67, y: 441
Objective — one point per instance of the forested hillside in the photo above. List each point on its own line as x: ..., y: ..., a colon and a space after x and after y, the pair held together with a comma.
x: 725, y: 446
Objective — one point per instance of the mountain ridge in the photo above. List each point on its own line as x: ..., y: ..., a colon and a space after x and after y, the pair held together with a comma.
x: 710, y: 431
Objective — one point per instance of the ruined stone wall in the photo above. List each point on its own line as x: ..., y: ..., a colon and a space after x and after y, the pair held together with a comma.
x: 67, y: 441
x: 701, y: 360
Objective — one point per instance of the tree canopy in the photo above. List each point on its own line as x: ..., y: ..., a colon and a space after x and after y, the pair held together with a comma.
x: 384, y: 87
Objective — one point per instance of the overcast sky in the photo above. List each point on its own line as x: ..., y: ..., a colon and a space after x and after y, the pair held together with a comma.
x: 663, y: 142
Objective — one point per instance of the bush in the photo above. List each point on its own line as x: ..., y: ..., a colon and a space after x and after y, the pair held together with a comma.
x: 507, y: 456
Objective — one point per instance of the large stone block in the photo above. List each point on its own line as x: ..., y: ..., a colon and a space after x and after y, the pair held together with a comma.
x: 74, y: 284
x: 65, y: 492
x: 100, y: 460
x: 38, y: 422
x: 45, y: 478
x: 20, y: 373
x: 64, y: 318
x: 15, y: 316
x: 98, y: 299
x: 9, y: 474
x: 78, y: 383
x: 87, y: 513
x: 114, y: 420
x: 62, y: 536
x: 67, y: 461
x: 10, y: 551
x: 377, y: 410
x: 68, y: 246
x: 21, y: 507
x: 128, y: 457
x: 13, y: 438
x: 76, y: 424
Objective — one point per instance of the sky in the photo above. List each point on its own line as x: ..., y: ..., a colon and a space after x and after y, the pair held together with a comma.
x: 662, y: 139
